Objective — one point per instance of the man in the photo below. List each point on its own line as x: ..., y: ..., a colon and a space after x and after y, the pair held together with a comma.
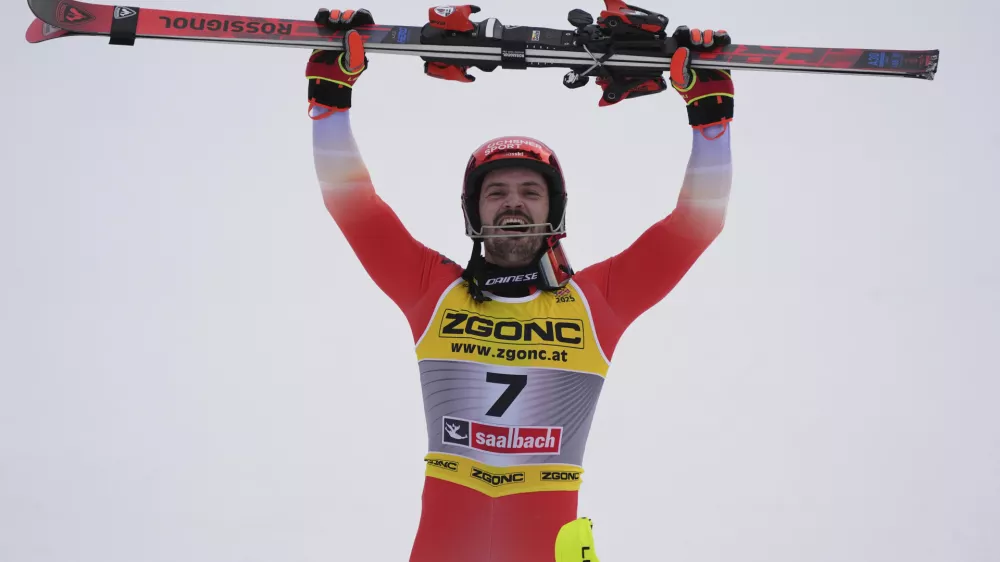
x: 514, y: 348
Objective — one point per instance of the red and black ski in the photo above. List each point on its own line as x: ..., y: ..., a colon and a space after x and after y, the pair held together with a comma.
x: 40, y: 31
x: 610, y: 43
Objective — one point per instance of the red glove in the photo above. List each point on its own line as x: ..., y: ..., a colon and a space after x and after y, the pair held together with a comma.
x: 708, y: 93
x: 332, y: 74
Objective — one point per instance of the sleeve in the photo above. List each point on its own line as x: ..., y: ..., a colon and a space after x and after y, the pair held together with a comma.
x: 403, y: 268
x: 643, y: 274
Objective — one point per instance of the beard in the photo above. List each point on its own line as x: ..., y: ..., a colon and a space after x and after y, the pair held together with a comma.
x: 513, y: 252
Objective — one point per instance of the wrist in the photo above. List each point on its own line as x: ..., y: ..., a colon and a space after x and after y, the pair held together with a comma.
x: 711, y: 132
x: 712, y: 109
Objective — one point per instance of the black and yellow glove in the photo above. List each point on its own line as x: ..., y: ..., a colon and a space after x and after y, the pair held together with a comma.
x: 708, y: 92
x: 332, y: 74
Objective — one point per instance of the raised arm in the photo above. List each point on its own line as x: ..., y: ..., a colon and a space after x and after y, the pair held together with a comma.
x: 643, y: 274
x: 400, y: 265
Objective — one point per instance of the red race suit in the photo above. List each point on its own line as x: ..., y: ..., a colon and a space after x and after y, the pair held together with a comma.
x: 510, y: 385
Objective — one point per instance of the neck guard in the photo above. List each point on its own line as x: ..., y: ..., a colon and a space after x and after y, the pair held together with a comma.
x: 550, y: 270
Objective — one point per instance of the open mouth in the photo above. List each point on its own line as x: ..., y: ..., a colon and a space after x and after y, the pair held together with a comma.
x: 512, y: 224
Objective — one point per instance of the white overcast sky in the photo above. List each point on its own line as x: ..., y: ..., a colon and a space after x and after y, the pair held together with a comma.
x: 194, y: 367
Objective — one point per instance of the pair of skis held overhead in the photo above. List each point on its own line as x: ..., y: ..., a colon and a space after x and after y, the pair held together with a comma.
x: 623, y: 44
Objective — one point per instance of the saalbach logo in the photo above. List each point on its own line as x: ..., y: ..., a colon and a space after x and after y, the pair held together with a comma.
x: 501, y: 439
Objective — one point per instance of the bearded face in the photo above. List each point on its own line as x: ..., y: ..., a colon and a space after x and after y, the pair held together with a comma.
x: 510, y: 199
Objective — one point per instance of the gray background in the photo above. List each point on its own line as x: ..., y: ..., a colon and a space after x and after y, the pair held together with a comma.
x: 181, y: 377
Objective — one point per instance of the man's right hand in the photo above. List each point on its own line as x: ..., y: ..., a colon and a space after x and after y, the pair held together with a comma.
x: 707, y: 92
x: 332, y: 74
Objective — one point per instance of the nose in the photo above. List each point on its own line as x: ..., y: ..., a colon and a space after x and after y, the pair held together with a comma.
x: 513, y: 201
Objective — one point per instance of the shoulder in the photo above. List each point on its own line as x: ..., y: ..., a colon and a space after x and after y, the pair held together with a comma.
x: 445, y: 267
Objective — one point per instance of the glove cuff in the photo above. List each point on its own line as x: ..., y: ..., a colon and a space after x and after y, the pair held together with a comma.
x: 329, y: 94
x: 709, y: 110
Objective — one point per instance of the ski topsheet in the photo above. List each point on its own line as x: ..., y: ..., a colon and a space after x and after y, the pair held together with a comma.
x: 488, y: 46
x: 40, y: 31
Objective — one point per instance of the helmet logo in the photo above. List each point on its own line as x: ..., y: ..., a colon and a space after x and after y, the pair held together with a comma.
x: 510, y: 145
x: 444, y: 11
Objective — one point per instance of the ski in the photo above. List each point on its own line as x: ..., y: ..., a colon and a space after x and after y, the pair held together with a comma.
x: 624, y: 40
x: 40, y: 31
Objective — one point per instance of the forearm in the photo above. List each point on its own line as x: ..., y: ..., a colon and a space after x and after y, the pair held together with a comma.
x: 704, y: 195
x: 340, y: 169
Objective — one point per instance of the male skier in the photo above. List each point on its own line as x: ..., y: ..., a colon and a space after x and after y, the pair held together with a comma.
x: 514, y: 348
